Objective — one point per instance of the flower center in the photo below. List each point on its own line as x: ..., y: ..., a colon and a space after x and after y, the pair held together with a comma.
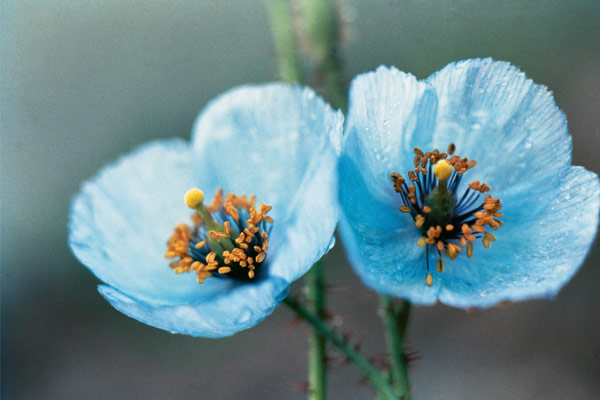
x: 448, y: 221
x: 228, y: 238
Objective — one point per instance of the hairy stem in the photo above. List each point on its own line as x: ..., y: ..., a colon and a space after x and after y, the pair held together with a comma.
x: 317, y: 357
x: 395, y: 319
x: 371, y: 373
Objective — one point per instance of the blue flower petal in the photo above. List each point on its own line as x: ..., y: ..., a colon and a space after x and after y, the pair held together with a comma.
x: 263, y: 140
x: 307, y: 234
x: 390, y: 113
x: 538, y: 249
x: 494, y: 114
x: 122, y: 218
x: 281, y: 143
x: 218, y: 316
x: 390, y: 261
x: 519, y: 137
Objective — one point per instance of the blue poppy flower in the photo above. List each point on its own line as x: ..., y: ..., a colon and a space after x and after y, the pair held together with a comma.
x: 508, y: 219
x: 279, y: 143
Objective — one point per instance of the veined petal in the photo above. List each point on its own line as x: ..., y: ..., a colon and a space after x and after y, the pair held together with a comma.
x: 389, y: 261
x: 217, y: 316
x: 390, y: 113
x: 496, y: 115
x: 538, y: 249
x: 264, y: 140
x: 122, y: 218
x: 307, y: 234
x: 519, y: 137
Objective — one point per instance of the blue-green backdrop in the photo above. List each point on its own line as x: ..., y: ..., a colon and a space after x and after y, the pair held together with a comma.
x: 85, y: 81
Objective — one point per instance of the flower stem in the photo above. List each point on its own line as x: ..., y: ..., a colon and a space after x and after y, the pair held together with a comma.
x: 395, y: 319
x: 283, y: 36
x: 317, y: 357
x: 322, y: 26
x: 371, y: 373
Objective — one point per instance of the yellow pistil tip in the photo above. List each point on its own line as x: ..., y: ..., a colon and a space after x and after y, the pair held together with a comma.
x: 193, y: 197
x: 442, y: 169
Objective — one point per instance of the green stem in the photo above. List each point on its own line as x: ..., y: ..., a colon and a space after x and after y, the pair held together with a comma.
x: 317, y: 357
x: 370, y: 372
x: 283, y: 35
x: 321, y: 22
x: 395, y: 319
x: 285, y: 43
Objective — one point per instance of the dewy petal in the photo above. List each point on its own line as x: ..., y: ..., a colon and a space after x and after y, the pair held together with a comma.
x: 389, y: 261
x: 390, y: 112
x: 122, y: 218
x: 518, y: 136
x: 538, y: 249
x: 279, y: 142
x: 496, y: 115
x: 217, y: 316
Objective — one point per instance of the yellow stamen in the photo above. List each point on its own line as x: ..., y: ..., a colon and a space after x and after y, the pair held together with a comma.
x: 429, y: 279
x: 455, y: 233
x: 490, y: 236
x: 440, y: 245
x: 440, y: 265
x: 478, y: 228
x: 451, y: 148
x: 419, y: 220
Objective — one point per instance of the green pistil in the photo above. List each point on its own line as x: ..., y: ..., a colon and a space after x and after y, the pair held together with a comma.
x: 217, y: 245
x: 441, y: 202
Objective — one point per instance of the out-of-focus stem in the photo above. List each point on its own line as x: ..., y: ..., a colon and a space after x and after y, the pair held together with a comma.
x: 317, y: 357
x: 321, y: 22
x: 395, y: 319
x: 285, y: 43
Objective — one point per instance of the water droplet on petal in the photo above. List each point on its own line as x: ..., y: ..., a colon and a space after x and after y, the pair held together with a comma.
x: 243, y: 317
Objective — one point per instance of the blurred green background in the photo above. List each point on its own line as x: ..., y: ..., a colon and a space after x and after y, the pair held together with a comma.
x: 85, y: 81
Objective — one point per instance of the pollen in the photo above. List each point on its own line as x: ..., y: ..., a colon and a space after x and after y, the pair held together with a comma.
x: 228, y: 238
x: 450, y: 216
x: 429, y: 279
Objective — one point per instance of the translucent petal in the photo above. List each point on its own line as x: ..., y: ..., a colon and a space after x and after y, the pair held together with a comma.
x: 280, y: 143
x: 264, y: 140
x: 308, y: 233
x: 121, y: 219
x: 546, y: 235
x: 390, y: 261
x: 518, y: 136
x: 218, y: 316
x: 494, y: 114
x: 390, y: 113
